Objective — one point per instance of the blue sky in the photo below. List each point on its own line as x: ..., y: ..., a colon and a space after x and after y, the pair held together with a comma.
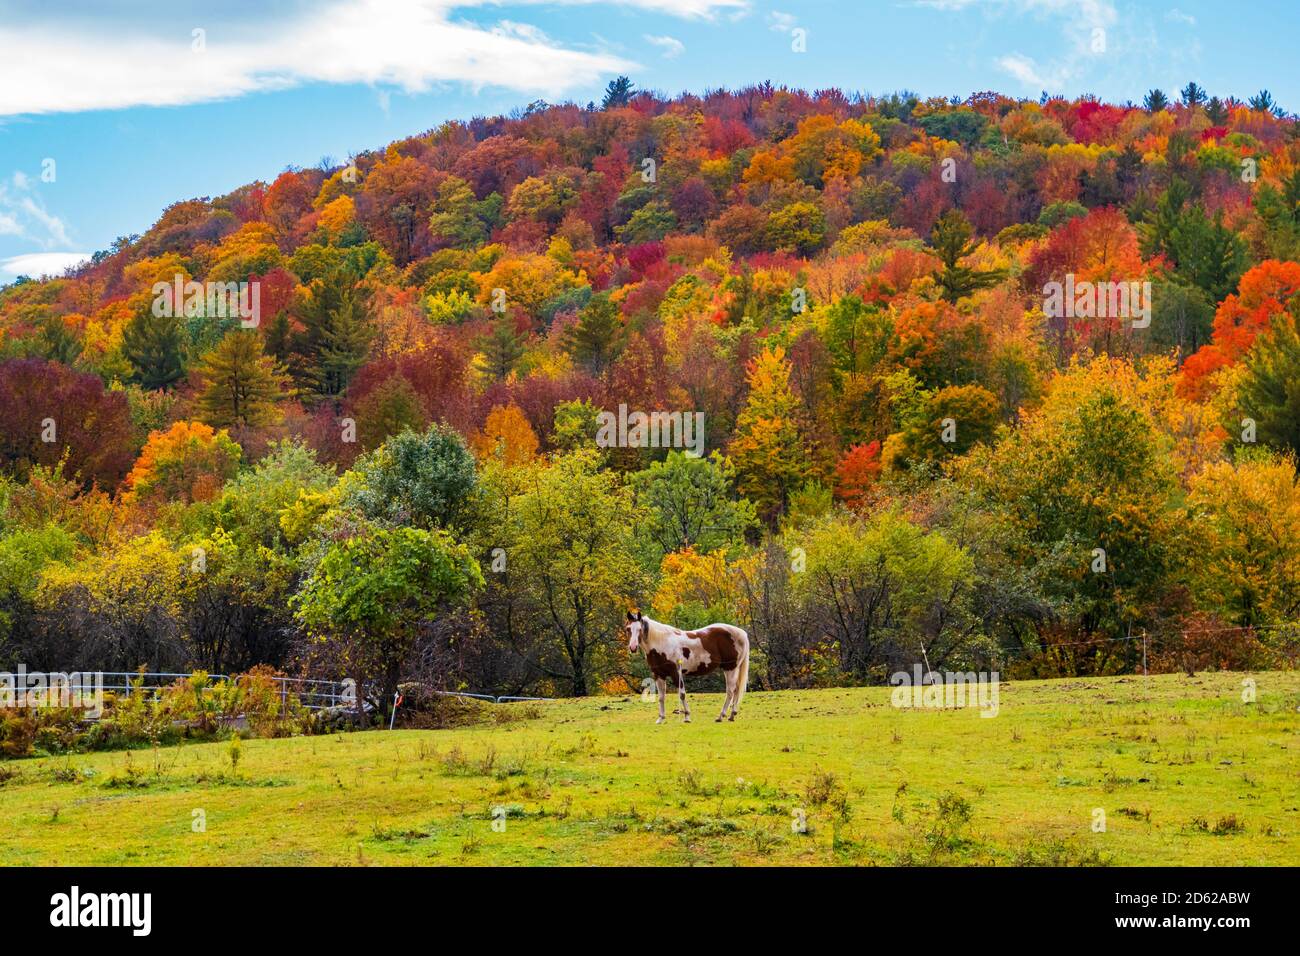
x: 172, y: 100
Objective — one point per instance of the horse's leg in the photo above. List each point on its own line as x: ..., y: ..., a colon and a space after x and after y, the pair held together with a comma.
x: 662, y: 685
x: 729, y: 696
x: 681, y: 695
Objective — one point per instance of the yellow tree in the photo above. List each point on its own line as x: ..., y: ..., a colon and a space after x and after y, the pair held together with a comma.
x: 767, y: 449
x: 1248, y: 521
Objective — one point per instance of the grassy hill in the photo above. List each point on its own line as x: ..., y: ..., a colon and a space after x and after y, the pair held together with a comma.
x: 1185, y: 772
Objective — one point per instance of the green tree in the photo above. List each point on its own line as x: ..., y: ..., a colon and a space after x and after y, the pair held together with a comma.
x: 650, y: 223
x: 369, y: 596
x: 951, y: 240
x: 576, y: 424
x: 1207, y: 253
x: 240, y: 385
x: 799, y: 227
x: 1089, y: 488
x: 459, y: 219
x: 1263, y: 101
x: 155, y: 347
x: 1279, y: 211
x: 423, y: 479
x: 1155, y: 101
x: 940, y: 423
x: 336, y: 334
x: 617, y: 93
x: 597, y: 337
x: 1193, y: 95
x: 501, y: 348
x: 1204, y: 251
x: 567, y: 534
x: 880, y: 585
x: 1182, y: 317
x: 392, y: 407
x: 690, y: 504
x: 1270, y: 390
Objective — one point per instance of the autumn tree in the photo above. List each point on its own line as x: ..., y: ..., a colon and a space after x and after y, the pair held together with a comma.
x: 1248, y: 523
x: 188, y: 462
x: 507, y: 436
x: 858, y: 469
x: 51, y: 414
x: 767, y: 449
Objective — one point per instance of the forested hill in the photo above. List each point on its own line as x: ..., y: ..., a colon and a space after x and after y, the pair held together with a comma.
x: 1018, y: 377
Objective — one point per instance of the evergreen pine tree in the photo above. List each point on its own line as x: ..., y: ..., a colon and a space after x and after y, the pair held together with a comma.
x: 594, y: 341
x: 240, y: 384
x: 336, y: 334
x: 951, y: 240
x: 154, y: 345
x: 500, y: 349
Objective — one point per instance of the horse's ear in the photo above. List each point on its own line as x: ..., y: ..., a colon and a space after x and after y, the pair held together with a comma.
x: 638, y: 615
x: 630, y: 618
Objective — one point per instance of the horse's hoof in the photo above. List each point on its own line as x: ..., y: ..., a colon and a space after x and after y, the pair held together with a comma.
x: 732, y: 717
x: 717, y: 720
x: 686, y: 720
x: 659, y: 720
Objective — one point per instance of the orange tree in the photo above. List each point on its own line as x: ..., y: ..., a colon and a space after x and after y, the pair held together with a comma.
x: 188, y: 462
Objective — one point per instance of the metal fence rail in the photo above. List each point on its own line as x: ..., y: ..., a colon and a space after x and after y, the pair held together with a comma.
x: 312, y: 693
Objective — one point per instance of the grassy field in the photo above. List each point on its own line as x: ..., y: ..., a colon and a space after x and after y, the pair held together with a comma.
x: 1184, y: 771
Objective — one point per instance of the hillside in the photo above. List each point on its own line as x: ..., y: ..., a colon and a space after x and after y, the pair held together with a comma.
x: 997, y: 383
x: 1183, y: 770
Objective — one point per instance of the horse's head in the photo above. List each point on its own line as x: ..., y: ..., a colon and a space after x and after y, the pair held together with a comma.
x: 638, y: 629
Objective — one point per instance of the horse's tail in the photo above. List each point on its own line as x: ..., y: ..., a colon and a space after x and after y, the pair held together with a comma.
x: 743, y: 676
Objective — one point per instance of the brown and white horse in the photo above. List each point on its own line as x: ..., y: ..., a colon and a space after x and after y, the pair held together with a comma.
x: 674, y: 654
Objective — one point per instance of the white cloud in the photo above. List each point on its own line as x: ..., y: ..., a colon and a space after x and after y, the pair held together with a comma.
x: 1030, y: 74
x: 37, y: 264
x: 1177, y: 16
x: 671, y: 46
x: 23, y: 214
x: 1086, y: 26
x: 82, y: 63
x: 780, y: 22
x: 686, y: 9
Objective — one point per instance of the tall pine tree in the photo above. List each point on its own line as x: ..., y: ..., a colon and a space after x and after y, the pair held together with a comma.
x: 240, y: 384
x: 500, y: 349
x: 336, y: 334
x: 154, y: 345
